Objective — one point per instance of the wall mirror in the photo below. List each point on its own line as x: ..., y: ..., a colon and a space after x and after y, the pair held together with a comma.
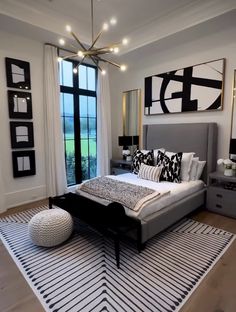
x: 232, y: 148
x: 131, y: 101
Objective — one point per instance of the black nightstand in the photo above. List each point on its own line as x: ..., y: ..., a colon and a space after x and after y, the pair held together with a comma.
x: 221, y: 194
x: 119, y: 166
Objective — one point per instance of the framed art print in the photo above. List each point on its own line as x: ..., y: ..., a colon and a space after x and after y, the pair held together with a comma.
x: 22, y: 135
x: 18, y: 74
x: 19, y: 105
x: 23, y: 163
x: 193, y: 88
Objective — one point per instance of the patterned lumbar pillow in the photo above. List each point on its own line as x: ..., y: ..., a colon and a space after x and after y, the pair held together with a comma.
x: 139, y: 157
x: 149, y: 172
x: 171, y: 166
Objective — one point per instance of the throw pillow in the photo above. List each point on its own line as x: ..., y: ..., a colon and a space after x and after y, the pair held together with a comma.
x: 171, y: 166
x: 200, y: 167
x: 155, y: 153
x: 185, y: 165
x: 149, y: 172
x: 140, y: 157
x: 193, y: 170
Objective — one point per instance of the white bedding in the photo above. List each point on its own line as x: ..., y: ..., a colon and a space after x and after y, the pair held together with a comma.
x: 177, y: 192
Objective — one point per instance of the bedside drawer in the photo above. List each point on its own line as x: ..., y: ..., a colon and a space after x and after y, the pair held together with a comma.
x: 221, y: 200
x: 117, y: 171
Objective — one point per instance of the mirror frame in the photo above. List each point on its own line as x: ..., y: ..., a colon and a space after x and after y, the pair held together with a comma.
x: 233, y: 110
x: 139, y: 112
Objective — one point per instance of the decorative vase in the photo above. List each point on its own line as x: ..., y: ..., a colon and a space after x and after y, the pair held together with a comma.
x: 228, y: 172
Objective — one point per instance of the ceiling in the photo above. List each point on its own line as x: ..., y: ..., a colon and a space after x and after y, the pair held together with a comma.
x: 142, y: 21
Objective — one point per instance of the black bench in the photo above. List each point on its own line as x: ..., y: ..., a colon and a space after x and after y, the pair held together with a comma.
x: 109, y: 220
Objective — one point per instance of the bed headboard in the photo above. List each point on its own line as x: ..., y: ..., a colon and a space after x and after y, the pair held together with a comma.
x: 200, y: 138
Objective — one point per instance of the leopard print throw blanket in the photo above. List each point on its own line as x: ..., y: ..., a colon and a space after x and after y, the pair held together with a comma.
x: 129, y: 195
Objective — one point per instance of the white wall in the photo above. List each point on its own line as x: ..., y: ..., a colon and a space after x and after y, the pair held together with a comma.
x: 15, y: 191
x: 197, y: 45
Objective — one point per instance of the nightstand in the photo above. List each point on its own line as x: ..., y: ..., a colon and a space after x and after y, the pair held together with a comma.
x: 119, y: 166
x: 221, y: 194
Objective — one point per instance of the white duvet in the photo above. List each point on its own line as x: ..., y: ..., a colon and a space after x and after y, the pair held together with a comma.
x: 177, y: 191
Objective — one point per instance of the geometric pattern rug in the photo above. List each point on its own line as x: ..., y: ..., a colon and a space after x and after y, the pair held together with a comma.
x: 81, y: 274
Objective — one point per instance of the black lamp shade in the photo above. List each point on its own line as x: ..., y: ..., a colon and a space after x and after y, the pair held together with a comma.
x: 135, y: 140
x: 125, y: 140
x: 232, y: 147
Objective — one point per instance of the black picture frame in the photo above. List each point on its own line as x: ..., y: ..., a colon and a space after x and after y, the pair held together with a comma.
x: 18, y: 74
x: 23, y: 163
x: 19, y: 105
x: 22, y: 134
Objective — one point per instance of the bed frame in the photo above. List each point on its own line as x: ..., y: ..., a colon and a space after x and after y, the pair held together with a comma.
x: 200, y: 138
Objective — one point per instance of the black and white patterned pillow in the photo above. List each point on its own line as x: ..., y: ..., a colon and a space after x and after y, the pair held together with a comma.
x: 171, y: 166
x: 140, y: 157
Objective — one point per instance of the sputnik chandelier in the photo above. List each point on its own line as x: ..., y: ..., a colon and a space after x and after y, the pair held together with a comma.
x: 93, y: 53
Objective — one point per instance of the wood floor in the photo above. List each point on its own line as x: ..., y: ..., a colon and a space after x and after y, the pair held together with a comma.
x: 216, y: 293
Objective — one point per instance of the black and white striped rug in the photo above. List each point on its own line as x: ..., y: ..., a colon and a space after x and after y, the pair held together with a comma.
x: 81, y: 275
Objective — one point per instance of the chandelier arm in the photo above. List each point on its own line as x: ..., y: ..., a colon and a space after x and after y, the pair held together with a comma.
x: 69, y: 56
x: 98, y: 36
x: 109, y: 62
x: 79, y: 42
x: 95, y: 61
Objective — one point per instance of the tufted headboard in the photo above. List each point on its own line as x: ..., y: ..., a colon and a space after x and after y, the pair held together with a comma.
x: 200, y: 138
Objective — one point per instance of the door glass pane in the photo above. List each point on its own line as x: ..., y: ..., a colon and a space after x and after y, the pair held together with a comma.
x: 91, y: 78
x: 84, y: 159
x: 91, y: 106
x: 92, y: 128
x: 69, y: 128
x: 82, y: 77
x: 92, y: 147
x: 68, y: 104
x: 83, y: 107
x: 67, y: 74
x: 70, y: 161
x: 83, y: 128
x: 61, y: 104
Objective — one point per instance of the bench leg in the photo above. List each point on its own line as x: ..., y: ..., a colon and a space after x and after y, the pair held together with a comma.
x: 117, y: 251
x: 50, y: 202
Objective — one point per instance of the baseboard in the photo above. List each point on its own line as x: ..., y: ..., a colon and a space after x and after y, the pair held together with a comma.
x: 26, y: 196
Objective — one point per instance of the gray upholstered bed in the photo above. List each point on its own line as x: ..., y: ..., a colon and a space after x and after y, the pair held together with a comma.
x: 200, y: 138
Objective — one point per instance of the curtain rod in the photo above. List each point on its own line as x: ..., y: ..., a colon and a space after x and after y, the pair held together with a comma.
x: 60, y: 48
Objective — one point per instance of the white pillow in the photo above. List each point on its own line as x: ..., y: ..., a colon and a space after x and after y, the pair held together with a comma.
x: 155, y: 152
x: 185, y: 164
x: 193, y: 169
x: 200, y: 167
x: 149, y: 172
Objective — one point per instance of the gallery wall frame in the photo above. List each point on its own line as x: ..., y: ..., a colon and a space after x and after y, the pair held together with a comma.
x: 22, y: 134
x: 23, y: 163
x: 19, y: 105
x: 195, y: 88
x: 18, y: 74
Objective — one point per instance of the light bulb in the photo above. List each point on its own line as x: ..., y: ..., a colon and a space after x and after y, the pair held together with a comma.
x: 111, y: 49
x: 15, y: 95
x: 123, y: 67
x: 103, y: 72
x: 75, y: 71
x: 59, y: 59
x: 116, y: 50
x: 68, y: 28
x: 105, y: 26
x: 125, y: 41
x: 61, y: 41
x: 80, y: 53
x: 113, y: 21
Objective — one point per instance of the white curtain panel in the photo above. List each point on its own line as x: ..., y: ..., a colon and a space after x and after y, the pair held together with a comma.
x: 55, y: 156
x: 104, y: 149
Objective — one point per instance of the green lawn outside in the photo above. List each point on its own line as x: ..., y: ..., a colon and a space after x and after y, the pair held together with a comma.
x: 84, y: 144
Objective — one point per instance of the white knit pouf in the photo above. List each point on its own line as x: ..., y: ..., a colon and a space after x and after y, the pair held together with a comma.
x: 50, y: 227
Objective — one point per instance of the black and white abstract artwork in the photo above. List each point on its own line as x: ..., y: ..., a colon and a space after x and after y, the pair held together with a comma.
x: 18, y: 74
x: 22, y: 134
x: 19, y: 105
x: 23, y: 163
x: 194, y: 88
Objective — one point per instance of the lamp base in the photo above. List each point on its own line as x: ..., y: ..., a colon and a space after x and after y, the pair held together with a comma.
x: 232, y: 157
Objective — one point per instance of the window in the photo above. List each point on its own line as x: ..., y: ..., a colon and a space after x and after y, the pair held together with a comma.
x: 78, y: 104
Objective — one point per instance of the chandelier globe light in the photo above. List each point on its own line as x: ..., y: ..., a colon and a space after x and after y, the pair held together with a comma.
x: 93, y: 53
